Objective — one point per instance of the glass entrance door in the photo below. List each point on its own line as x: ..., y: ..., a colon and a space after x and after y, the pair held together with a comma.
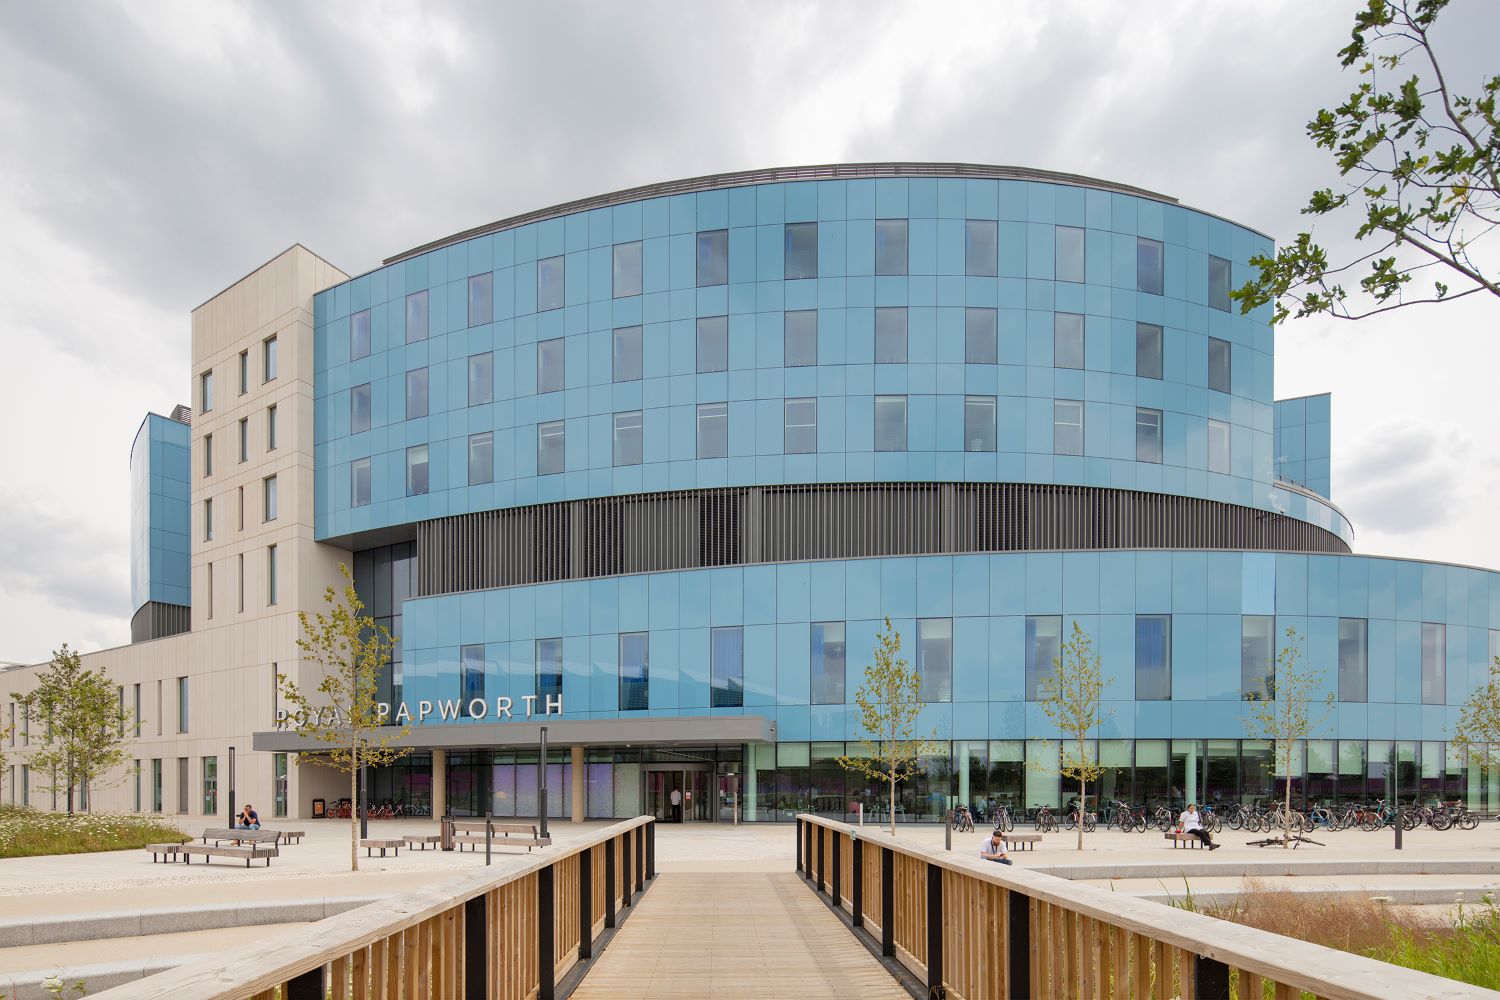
x: 680, y: 795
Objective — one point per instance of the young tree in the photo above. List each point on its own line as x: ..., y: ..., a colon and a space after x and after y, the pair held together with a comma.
x: 1478, y: 728
x: 1072, y: 697
x: 82, y: 726
x: 343, y: 711
x: 889, y: 700
x: 1421, y: 167
x: 1284, y: 715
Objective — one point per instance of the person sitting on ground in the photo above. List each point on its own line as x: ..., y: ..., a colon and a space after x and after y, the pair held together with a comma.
x: 1190, y: 824
x: 993, y: 848
x: 249, y: 818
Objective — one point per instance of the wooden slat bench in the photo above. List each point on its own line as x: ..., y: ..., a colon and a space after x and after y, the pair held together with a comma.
x: 1021, y: 841
x: 290, y: 836
x: 384, y: 843
x: 252, y: 845
x: 1183, y: 839
x: 164, y: 852
x: 421, y: 840
x: 234, y: 835
x: 471, y: 832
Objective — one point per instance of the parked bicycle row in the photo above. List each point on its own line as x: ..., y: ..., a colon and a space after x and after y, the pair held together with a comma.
x: 1252, y: 818
x: 379, y: 810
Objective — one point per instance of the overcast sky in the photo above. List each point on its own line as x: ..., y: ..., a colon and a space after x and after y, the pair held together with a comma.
x: 152, y: 154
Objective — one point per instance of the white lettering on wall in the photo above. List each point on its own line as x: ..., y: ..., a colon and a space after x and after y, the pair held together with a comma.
x: 502, y: 706
x: 554, y: 703
x: 530, y: 700
x: 478, y: 707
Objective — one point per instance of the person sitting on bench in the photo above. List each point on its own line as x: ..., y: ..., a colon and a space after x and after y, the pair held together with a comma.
x: 1189, y: 824
x: 249, y: 818
x: 993, y: 848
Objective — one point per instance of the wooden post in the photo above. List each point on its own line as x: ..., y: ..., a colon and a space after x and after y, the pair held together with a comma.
x: 1211, y: 978
x: 585, y: 904
x: 308, y: 986
x: 857, y: 890
x: 476, y: 947
x: 834, y: 878
x: 651, y: 849
x: 546, y: 948
x: 609, y: 882
x: 1018, y: 976
x: 934, y: 930
x: 887, y: 902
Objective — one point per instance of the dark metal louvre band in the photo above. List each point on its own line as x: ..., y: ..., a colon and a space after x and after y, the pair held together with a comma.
x: 689, y: 529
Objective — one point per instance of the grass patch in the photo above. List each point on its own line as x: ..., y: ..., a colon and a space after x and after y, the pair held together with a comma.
x: 29, y: 833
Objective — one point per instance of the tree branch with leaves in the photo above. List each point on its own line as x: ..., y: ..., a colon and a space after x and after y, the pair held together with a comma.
x: 1478, y: 728
x: 1285, y: 715
x: 890, y: 700
x: 342, y: 710
x: 1072, y: 696
x: 1420, y: 167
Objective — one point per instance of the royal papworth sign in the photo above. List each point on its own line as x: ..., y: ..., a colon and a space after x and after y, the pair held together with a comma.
x: 446, y: 710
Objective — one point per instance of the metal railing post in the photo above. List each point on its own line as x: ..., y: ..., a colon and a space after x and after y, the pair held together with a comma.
x: 585, y: 904
x: 476, y: 948
x: 546, y: 947
x: 610, y: 881
x: 640, y: 859
x: 1211, y: 977
x: 627, y: 852
x: 489, y: 837
x: 934, y: 930
x: 887, y: 902
x: 800, y: 870
x: 834, y: 876
x: 822, y: 851
x: 308, y: 986
x: 651, y: 849
x: 857, y: 890
x: 1018, y: 976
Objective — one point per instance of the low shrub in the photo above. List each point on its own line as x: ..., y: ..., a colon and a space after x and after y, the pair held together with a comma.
x: 26, y: 833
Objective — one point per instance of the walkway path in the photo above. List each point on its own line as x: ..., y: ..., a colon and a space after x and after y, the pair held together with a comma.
x: 735, y: 934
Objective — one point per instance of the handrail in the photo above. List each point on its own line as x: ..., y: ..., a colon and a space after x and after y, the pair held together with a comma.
x: 993, y: 929
x: 448, y: 939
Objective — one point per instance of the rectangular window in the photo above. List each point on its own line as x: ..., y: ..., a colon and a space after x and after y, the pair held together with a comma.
x: 1067, y: 340
x: 726, y: 667
x: 268, y: 359
x: 551, y: 447
x: 182, y: 784
x: 1434, y: 664
x: 551, y: 365
x: 1218, y: 447
x: 713, y: 343
x: 890, y: 335
x: 135, y: 773
x: 359, y: 409
x: 800, y: 429
x: 240, y: 583
x: 1043, y: 647
x: 1148, y: 444
x: 1218, y: 283
x: 240, y: 507
x: 1257, y: 658
x: 359, y: 482
x: 481, y: 299
x: 206, y: 392
x: 713, y: 430
x: 979, y: 423
x: 627, y: 269
x: 1067, y: 427
x: 935, y: 659
x: 981, y: 337
x: 1148, y: 266
x: 208, y: 455
x: 890, y: 246
x: 160, y: 707
x: 1070, y: 257
x: 826, y: 660
x: 279, y: 784
x: 1153, y: 657
x: 271, y: 427
x: 244, y: 372
x: 208, y: 575
x: 182, y: 704
x: 628, y: 438
x: 416, y: 312
x: 1148, y: 350
x: 635, y: 672
x: 481, y: 378
x: 416, y: 470
x: 1354, y: 659
x: 208, y: 520
x: 271, y: 574
x: 268, y: 497
x: 481, y: 458
x: 210, y: 786
x: 470, y: 674
x: 625, y: 364
x: 890, y: 423
x: 801, y: 333
x: 156, y: 802
x: 1219, y: 355
x: 359, y: 334
x: 416, y: 393
x: 548, y: 671
x: 713, y: 258
x: 137, y: 711
x: 550, y: 282
x: 801, y: 250
x: 981, y: 248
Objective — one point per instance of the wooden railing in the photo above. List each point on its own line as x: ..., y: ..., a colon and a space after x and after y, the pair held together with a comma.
x: 970, y: 929
x: 483, y: 936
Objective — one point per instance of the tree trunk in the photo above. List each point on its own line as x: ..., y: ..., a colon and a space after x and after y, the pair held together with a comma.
x: 893, y: 802
x: 1083, y: 786
x: 1286, y: 813
x: 354, y: 809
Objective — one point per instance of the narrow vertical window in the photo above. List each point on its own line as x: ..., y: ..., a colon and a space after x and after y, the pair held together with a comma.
x: 359, y: 482
x: 726, y: 667
x: 210, y: 786
x: 279, y: 784
x: 1218, y: 283
x: 551, y: 447
x: 1218, y: 447
x: 208, y: 520
x: 890, y: 246
x: 244, y: 439
x: 981, y: 248
x: 1067, y: 427
x: 1070, y: 256
x: 240, y: 508
x: 1043, y: 647
x: 713, y: 430
x: 1148, y: 350
x: 481, y: 299
x: 1219, y: 360
x: 627, y: 269
x: 271, y: 574
x: 268, y: 359
x: 935, y: 659
x: 1257, y: 658
x: 550, y: 283
x: 1148, y: 266
x: 979, y: 423
x: 271, y: 412
x: 800, y: 426
x: 1353, y: 659
x: 826, y: 660
x: 206, y: 392
x: 359, y: 335
x: 981, y: 337
x: 182, y: 704
x: 416, y: 393
x: 627, y: 449
x: 625, y: 360
x: 551, y: 365
x: 1148, y: 437
x: 801, y: 252
x: 481, y: 372
x: 713, y: 343
x: 471, y: 674
x: 359, y: 409
x: 713, y: 258
x: 208, y: 455
x: 1067, y: 340
x: 268, y: 498
x: 1434, y: 664
x: 801, y: 338
x: 416, y: 314
x: 890, y: 423
x: 548, y: 671
x: 244, y: 372
x: 239, y: 589
x: 890, y: 335
x: 635, y: 672
x: 1153, y: 657
x: 416, y: 470
x: 481, y: 458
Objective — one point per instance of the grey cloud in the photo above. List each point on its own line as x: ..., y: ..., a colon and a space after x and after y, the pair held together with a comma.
x: 1407, y: 474
x: 48, y: 555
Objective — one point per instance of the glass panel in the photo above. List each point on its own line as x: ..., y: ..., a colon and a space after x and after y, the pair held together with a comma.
x: 1148, y: 444
x: 1434, y: 664
x: 549, y: 283
x: 713, y: 258
x: 627, y: 789
x: 634, y: 672
x: 1070, y: 256
x: 359, y: 334
x: 1153, y: 657
x: 727, y: 668
x: 981, y: 248
x: 470, y: 674
x: 1218, y: 364
x: 1353, y: 657
x: 979, y: 423
x: 548, y: 671
x: 935, y: 659
x: 801, y: 431
x: 981, y: 339
x: 628, y: 438
x: 627, y: 269
x: 1043, y: 647
x: 551, y: 365
x: 416, y: 470
x: 890, y: 246
x: 626, y: 361
x: 481, y: 379
x: 1322, y: 776
x: 801, y: 347
x: 1148, y: 339
x: 1218, y: 283
x: 801, y: 250
x: 359, y: 409
x: 416, y: 317
x: 1257, y: 657
x: 416, y: 393
x: 1218, y: 447
x: 1148, y: 266
x: 550, y: 447
x: 1221, y: 773
x: 481, y: 458
x: 713, y: 430
x: 481, y: 299
x: 1042, y: 774
x: 600, y: 796
x: 890, y: 335
x: 890, y: 423
x: 713, y: 343
x: 826, y: 655
x: 1067, y: 427
x: 1067, y: 340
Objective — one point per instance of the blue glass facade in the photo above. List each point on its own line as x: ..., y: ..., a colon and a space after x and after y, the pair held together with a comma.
x: 159, y: 470
x: 1303, y: 449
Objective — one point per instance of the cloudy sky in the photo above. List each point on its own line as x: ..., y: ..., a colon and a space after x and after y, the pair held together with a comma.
x: 151, y: 154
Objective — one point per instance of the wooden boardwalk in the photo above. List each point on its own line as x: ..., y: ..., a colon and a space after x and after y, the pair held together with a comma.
x: 735, y: 934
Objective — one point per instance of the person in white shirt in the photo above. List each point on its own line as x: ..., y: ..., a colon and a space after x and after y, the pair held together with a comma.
x: 993, y: 848
x: 1190, y: 824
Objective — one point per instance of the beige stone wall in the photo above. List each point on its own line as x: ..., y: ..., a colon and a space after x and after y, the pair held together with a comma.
x: 238, y: 640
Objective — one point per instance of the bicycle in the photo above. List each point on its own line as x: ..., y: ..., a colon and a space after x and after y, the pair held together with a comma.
x: 1090, y: 821
x: 1045, y: 821
x: 1003, y: 821
x: 962, y: 822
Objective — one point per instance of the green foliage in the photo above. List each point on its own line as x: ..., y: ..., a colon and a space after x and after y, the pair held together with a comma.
x: 1283, y: 714
x: 28, y: 833
x: 889, y: 702
x: 1072, y: 698
x: 1471, y: 954
x: 343, y: 711
x: 1478, y: 728
x: 75, y: 715
x: 1420, y: 166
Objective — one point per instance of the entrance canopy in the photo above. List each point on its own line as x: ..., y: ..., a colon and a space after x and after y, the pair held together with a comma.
x: 696, y: 730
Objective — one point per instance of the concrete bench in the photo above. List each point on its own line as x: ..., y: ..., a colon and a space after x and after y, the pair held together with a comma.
x: 163, y: 852
x: 230, y: 835
x: 384, y: 843
x: 472, y: 832
x: 250, y: 852
x: 421, y: 840
x: 1021, y: 841
x: 1182, y: 839
x: 289, y: 836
